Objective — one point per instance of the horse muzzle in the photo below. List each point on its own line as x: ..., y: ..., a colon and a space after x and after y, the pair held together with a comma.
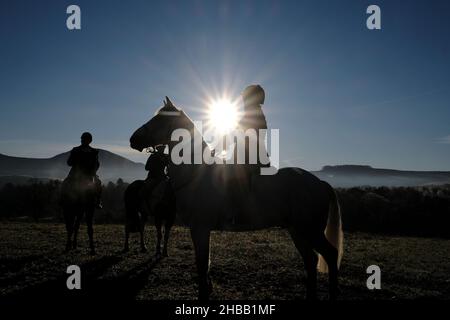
x: 135, y: 145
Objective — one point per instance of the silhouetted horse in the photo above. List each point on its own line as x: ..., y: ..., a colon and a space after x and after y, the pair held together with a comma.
x: 78, y: 198
x: 161, y: 204
x: 293, y: 198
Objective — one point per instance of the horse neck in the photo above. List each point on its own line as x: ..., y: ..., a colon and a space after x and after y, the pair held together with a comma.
x: 184, y: 173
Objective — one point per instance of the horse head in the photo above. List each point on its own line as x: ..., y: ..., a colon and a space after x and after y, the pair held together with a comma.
x: 158, y: 129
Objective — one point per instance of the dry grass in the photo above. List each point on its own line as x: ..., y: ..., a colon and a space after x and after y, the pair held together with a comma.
x: 250, y: 265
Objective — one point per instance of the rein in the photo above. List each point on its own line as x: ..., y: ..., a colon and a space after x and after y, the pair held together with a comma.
x: 176, y: 114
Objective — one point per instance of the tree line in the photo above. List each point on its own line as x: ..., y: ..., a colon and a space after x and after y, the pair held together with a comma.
x: 411, y: 211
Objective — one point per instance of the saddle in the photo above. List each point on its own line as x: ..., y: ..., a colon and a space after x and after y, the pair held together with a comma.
x: 77, y: 188
x: 78, y: 182
x: 242, y: 183
x: 237, y: 180
x: 159, y: 191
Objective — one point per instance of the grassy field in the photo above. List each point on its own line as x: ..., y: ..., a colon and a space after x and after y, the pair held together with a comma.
x: 251, y: 265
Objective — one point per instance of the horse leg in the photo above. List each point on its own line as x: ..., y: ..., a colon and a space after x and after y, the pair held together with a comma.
x: 169, y: 221
x: 69, y: 219
x: 167, y: 227
x: 76, y: 229
x: 158, y: 225
x: 141, y: 231
x: 200, y: 239
x: 330, y: 254
x: 310, y: 261
x: 127, y: 237
x: 90, y: 229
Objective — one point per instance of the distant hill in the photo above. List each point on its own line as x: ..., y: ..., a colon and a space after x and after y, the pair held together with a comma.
x: 113, y: 166
x: 21, y: 170
x: 357, y: 175
x: 21, y: 180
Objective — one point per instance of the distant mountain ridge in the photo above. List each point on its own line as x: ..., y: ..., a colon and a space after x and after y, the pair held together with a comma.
x: 20, y: 170
x: 112, y: 167
x: 363, y: 175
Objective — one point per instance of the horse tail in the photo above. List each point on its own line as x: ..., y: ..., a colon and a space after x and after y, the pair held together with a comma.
x: 333, y: 231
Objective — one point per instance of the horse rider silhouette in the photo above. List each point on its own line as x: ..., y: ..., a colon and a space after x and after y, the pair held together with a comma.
x: 84, y: 162
x: 239, y: 186
x: 157, y: 163
x: 254, y: 118
x: 156, y: 166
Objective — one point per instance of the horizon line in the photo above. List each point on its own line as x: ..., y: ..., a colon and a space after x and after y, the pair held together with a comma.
x: 322, y: 168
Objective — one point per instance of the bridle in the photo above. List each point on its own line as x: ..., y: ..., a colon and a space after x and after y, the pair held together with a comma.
x: 152, y: 149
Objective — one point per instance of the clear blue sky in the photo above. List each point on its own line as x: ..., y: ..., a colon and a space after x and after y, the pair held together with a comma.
x: 338, y: 92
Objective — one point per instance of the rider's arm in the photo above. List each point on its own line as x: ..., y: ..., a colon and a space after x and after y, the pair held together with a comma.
x: 261, y: 122
x: 97, y: 163
x: 70, y: 161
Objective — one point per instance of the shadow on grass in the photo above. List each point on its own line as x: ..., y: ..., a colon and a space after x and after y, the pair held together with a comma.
x: 94, y: 287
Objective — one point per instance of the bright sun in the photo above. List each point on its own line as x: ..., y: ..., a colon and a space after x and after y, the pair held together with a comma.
x: 223, y: 115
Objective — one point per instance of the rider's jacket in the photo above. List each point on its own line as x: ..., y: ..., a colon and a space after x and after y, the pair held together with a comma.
x: 156, y: 165
x: 83, y: 160
x: 254, y: 118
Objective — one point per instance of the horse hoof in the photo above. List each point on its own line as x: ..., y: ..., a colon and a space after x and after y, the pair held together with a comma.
x: 332, y: 297
x: 205, y: 290
x: 204, y: 296
x: 310, y: 297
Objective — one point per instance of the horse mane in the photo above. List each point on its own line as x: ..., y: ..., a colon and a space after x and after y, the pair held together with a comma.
x: 169, y: 109
x: 192, y: 128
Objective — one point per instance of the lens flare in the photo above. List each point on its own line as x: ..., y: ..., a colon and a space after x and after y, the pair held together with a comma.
x: 223, y: 115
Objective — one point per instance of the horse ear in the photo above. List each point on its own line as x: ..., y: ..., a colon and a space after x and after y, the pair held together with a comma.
x: 169, y: 102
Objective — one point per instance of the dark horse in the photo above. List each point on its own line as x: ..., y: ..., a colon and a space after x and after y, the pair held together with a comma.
x: 138, y: 205
x: 77, y: 200
x: 293, y: 199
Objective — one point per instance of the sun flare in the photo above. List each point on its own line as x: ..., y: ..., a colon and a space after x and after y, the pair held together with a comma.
x: 223, y: 115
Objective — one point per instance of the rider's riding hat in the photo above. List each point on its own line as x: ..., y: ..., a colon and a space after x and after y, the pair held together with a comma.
x: 254, y: 94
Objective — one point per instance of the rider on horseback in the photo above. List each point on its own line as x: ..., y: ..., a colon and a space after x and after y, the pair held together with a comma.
x: 239, y: 186
x: 254, y: 118
x: 84, y: 162
x: 157, y: 163
x: 156, y: 166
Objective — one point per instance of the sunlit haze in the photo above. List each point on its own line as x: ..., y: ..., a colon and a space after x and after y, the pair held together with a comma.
x: 338, y: 92
x: 222, y: 116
